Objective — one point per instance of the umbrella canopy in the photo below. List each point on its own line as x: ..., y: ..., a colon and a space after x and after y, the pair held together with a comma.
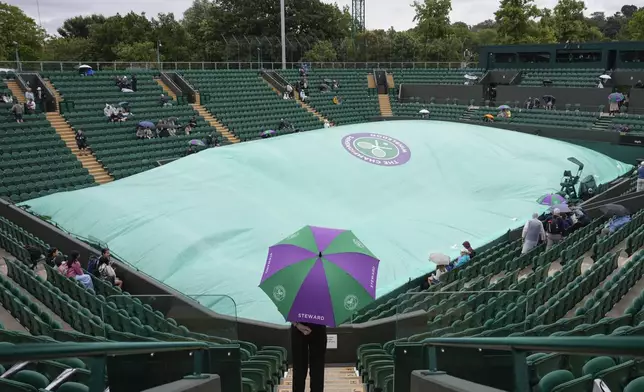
x: 563, y: 208
x: 439, y: 258
x: 614, y: 210
x: 491, y: 116
x: 146, y: 124
x: 268, y: 132
x: 423, y: 111
x: 551, y: 199
x: 605, y: 77
x: 616, y: 97
x: 84, y: 66
x: 503, y: 107
x: 470, y: 77
x: 196, y: 142
x: 549, y: 98
x: 124, y: 103
x: 320, y: 276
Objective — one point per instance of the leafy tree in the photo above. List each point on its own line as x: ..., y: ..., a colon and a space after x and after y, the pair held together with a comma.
x: 628, y: 10
x: 116, y: 30
x: 570, y: 25
x: 68, y: 49
x: 635, y: 29
x: 433, y: 18
x: 137, y: 51
x: 322, y: 51
x: 172, y: 36
x: 79, y: 26
x: 514, y: 21
x: 21, y: 32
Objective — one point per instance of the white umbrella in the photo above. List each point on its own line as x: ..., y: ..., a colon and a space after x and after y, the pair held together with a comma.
x: 470, y: 77
x: 84, y: 66
x: 439, y: 258
x: 423, y: 111
x: 605, y: 77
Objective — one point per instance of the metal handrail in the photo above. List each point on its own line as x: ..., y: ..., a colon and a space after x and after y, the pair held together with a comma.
x: 55, y: 66
x: 97, y: 354
x: 38, y: 351
x: 521, y: 346
x: 609, y: 345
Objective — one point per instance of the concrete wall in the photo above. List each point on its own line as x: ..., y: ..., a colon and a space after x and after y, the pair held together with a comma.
x: 442, y: 92
x: 588, y: 98
x: 636, y: 98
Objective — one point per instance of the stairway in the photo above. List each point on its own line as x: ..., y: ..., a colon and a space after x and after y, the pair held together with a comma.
x: 602, y: 123
x: 303, y: 104
x: 221, y: 128
x: 467, y: 115
x: 16, y: 91
x: 336, y: 379
x: 385, y: 105
x: 88, y: 160
x: 166, y: 89
x: 309, y: 108
x: 371, y: 81
x: 52, y: 88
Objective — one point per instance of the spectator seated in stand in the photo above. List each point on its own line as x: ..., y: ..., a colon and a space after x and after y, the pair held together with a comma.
x: 107, y: 272
x: 75, y: 271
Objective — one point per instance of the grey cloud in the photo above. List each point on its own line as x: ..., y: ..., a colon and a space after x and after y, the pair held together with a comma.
x: 380, y: 14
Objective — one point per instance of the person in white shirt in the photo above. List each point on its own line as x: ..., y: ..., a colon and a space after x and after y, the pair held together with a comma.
x: 29, y: 95
x: 533, y: 232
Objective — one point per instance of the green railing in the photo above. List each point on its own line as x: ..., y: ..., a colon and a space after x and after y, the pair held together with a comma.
x: 521, y: 346
x: 57, y: 66
x: 96, y: 354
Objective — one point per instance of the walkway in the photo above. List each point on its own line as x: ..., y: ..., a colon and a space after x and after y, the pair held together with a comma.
x: 336, y: 379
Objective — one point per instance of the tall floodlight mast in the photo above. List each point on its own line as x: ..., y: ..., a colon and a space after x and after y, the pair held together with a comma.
x: 357, y: 16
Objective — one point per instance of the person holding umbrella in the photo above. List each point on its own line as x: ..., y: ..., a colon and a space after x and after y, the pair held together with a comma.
x: 318, y: 277
x: 640, y: 178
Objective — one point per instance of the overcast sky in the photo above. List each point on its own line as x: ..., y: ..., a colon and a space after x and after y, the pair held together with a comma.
x: 381, y: 14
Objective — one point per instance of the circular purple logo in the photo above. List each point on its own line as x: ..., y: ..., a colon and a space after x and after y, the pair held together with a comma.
x: 377, y: 149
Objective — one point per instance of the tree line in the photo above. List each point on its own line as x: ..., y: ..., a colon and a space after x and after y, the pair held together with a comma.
x: 249, y: 31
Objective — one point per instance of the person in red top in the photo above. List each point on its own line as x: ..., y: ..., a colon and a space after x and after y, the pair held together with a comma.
x: 75, y: 271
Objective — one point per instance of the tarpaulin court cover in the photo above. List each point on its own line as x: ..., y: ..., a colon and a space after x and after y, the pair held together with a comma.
x: 203, y: 224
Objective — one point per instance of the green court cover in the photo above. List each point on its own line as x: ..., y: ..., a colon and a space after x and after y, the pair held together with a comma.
x: 203, y: 224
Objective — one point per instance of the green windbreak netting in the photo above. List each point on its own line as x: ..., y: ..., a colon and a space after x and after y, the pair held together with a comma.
x: 203, y: 224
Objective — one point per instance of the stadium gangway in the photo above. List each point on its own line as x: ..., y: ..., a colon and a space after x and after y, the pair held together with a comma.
x: 98, y: 353
x: 520, y: 346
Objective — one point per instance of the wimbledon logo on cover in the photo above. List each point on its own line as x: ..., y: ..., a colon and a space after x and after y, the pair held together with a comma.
x: 377, y: 149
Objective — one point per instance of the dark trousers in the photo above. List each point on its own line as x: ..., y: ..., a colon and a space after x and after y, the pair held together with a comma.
x: 308, y: 356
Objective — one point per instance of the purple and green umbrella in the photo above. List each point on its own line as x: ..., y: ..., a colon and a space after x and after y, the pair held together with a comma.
x: 551, y: 199
x: 320, y: 276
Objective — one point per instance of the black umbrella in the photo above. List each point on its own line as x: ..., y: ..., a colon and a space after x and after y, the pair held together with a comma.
x: 549, y: 98
x: 614, y: 210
